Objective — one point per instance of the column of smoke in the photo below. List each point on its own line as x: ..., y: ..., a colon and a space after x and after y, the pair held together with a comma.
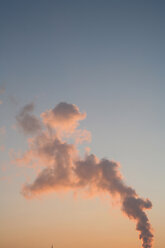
x: 64, y: 169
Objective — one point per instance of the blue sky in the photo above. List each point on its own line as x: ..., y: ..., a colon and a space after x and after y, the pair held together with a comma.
x: 108, y: 58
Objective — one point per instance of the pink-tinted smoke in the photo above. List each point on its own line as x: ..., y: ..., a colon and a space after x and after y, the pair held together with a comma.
x: 64, y: 169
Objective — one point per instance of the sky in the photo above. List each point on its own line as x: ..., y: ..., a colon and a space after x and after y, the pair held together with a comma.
x: 107, y: 58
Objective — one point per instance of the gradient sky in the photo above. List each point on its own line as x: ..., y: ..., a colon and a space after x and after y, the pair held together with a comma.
x: 108, y: 58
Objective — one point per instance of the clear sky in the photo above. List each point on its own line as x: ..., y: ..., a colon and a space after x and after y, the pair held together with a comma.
x: 108, y: 58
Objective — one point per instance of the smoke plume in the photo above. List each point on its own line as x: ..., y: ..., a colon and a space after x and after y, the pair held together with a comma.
x: 64, y: 169
x: 27, y: 121
x: 2, y: 90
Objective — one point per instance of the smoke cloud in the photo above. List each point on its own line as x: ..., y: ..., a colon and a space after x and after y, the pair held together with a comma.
x: 27, y: 121
x: 64, y: 117
x: 65, y: 169
x: 2, y: 90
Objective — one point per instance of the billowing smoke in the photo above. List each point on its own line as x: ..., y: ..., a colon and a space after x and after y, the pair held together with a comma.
x: 64, y: 169
x: 2, y: 90
x: 27, y: 121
